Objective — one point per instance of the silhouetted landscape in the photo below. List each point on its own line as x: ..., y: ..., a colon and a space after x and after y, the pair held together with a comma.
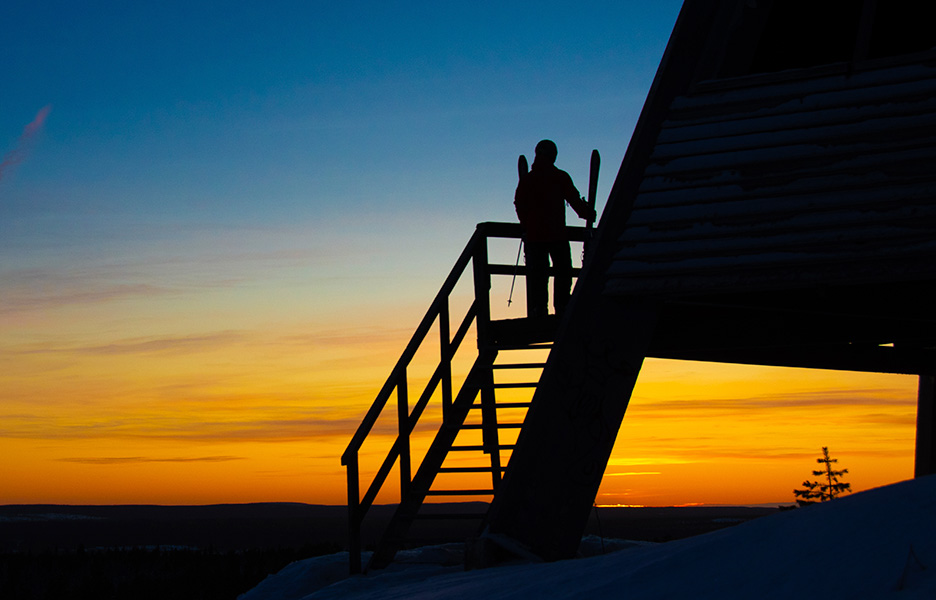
x: 220, y: 551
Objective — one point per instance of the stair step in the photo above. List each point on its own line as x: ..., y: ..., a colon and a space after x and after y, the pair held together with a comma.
x: 486, y: 469
x: 504, y: 405
x: 460, y: 493
x: 480, y: 448
x: 522, y: 346
x: 499, y: 426
x: 512, y: 386
x: 520, y: 366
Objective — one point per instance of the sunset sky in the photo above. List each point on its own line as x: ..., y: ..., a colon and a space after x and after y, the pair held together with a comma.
x: 220, y: 223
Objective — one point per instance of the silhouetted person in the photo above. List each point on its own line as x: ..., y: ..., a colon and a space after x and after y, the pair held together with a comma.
x: 540, y: 202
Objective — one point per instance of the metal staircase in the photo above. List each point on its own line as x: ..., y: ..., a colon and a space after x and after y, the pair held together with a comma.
x: 490, y: 400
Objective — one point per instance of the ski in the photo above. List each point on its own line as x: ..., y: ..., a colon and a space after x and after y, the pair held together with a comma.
x: 522, y: 169
x: 592, y: 193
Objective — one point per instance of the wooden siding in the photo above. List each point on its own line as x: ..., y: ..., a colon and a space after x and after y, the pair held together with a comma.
x: 805, y: 178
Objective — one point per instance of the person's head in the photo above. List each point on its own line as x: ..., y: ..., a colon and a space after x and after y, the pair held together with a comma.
x: 546, y: 151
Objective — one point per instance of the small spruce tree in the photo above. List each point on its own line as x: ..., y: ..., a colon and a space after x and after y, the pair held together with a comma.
x: 823, y: 491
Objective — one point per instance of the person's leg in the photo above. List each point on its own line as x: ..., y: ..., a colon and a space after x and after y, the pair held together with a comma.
x: 561, y: 255
x: 536, y: 257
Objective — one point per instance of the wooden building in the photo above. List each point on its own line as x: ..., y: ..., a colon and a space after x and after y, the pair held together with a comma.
x: 776, y: 206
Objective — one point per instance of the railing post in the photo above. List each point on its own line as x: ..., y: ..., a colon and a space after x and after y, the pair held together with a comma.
x: 354, y: 517
x: 479, y: 313
x: 482, y: 285
x: 482, y: 290
x: 445, y: 344
x: 404, y: 428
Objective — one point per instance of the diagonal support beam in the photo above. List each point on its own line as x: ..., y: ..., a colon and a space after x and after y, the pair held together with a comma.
x: 560, y: 457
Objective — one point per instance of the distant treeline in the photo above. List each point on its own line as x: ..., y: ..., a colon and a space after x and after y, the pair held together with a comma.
x: 143, y: 573
x: 37, y: 528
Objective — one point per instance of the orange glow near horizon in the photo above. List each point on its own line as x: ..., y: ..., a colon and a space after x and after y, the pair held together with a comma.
x: 694, y: 434
x: 155, y: 400
x: 750, y: 435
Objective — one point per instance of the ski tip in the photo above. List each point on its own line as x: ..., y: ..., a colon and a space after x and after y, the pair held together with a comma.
x: 522, y: 166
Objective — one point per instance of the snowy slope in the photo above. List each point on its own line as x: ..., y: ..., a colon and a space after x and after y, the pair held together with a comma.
x: 876, y: 544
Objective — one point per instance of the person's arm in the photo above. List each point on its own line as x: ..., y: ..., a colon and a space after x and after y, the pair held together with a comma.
x: 577, y: 202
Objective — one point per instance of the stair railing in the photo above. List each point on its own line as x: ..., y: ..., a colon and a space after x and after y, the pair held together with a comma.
x: 478, y: 313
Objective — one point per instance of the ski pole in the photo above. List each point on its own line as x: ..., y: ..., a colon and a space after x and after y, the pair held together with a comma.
x: 516, y: 268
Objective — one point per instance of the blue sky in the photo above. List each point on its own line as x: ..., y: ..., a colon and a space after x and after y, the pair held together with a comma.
x: 308, y: 110
x: 205, y: 140
x: 234, y: 215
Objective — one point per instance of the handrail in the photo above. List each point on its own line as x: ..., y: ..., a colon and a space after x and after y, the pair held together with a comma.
x: 482, y: 231
x: 370, y: 419
x: 475, y: 251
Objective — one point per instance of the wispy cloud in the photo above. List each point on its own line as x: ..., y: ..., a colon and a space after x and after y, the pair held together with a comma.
x: 19, y: 300
x: 634, y: 462
x: 787, y: 400
x: 906, y: 419
x: 165, y: 345
x: 183, y: 427
x: 122, y: 460
x: 348, y: 337
x: 24, y: 143
x: 352, y: 342
x: 168, y: 264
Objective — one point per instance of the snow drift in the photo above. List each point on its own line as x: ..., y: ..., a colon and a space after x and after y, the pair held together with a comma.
x: 875, y: 544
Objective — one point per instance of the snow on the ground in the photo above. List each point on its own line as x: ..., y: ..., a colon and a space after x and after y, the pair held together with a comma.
x: 875, y: 544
